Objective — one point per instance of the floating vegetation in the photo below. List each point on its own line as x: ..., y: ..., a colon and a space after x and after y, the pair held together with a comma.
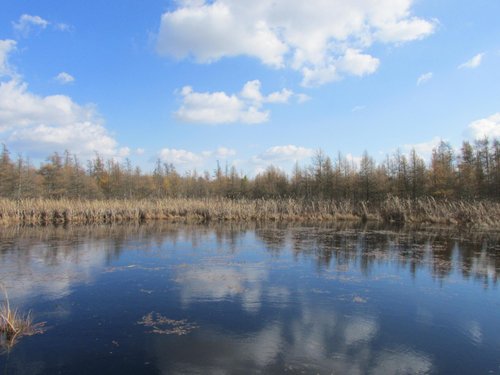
x: 132, y: 267
x: 358, y: 299
x: 14, y: 325
x: 165, y: 326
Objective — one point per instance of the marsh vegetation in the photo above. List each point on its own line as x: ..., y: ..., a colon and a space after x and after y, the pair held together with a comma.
x: 14, y: 324
x: 479, y: 214
x: 455, y: 188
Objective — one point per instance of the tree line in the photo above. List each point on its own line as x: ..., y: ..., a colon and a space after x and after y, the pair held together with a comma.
x: 473, y: 172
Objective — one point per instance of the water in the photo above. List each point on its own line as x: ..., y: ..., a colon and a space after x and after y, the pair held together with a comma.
x: 170, y: 298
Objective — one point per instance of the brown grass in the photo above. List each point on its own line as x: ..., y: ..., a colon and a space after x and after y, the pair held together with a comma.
x: 14, y: 325
x: 392, y: 210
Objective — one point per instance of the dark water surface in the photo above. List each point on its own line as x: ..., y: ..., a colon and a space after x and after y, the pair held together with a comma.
x: 167, y: 299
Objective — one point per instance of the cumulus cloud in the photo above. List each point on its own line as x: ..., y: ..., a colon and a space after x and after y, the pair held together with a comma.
x: 65, y: 78
x: 487, y: 127
x: 221, y: 108
x: 28, y: 23
x: 472, y: 63
x: 281, y: 157
x: 324, y: 40
x: 43, y: 124
x: 182, y: 157
x: 185, y: 159
x: 353, y: 62
x: 406, y: 30
x: 424, y: 78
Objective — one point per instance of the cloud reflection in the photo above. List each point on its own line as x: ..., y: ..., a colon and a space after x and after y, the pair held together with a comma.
x: 216, y: 283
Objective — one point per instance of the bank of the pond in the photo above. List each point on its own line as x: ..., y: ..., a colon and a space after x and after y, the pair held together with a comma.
x: 392, y: 210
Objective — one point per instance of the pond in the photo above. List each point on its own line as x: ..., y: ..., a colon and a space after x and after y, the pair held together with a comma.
x: 249, y: 298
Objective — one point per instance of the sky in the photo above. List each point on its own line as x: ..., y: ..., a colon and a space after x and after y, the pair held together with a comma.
x: 246, y: 83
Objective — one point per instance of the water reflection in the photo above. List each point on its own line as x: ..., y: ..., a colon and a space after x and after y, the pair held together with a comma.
x: 31, y: 255
x: 264, y: 298
x: 217, y: 282
x: 317, y: 341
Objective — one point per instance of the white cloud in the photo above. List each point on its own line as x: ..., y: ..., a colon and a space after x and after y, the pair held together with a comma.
x: 406, y: 30
x: 354, y: 160
x: 486, y: 127
x: 286, y: 153
x: 179, y: 157
x: 43, y: 124
x: 211, y: 31
x: 65, y: 78
x: 251, y: 91
x: 6, y: 47
x: 62, y: 27
x: 139, y: 151
x: 224, y: 152
x: 424, y: 78
x: 123, y: 152
x: 222, y: 108
x: 21, y: 108
x: 279, y: 96
x: 358, y: 64
x: 353, y: 62
x: 319, y: 75
x: 83, y: 138
x: 424, y: 149
x: 281, y: 157
x: 473, y: 63
x: 27, y: 23
x: 302, y: 98
x: 325, y: 40
x: 220, y: 153
x: 185, y: 160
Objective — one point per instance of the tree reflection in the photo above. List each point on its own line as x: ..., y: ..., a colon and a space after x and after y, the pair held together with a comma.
x: 52, y: 258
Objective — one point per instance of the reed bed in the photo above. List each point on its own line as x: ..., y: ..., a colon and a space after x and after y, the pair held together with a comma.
x: 392, y: 210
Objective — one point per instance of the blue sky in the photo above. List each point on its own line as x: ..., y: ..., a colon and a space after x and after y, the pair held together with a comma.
x: 193, y: 81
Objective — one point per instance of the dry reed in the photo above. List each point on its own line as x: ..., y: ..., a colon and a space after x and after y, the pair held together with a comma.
x: 14, y: 325
x: 392, y: 210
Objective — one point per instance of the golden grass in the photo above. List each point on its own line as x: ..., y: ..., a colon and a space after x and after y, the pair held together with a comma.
x: 14, y: 325
x: 392, y: 209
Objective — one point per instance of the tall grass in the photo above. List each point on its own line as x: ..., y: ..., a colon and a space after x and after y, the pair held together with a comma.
x: 14, y: 325
x: 392, y: 209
